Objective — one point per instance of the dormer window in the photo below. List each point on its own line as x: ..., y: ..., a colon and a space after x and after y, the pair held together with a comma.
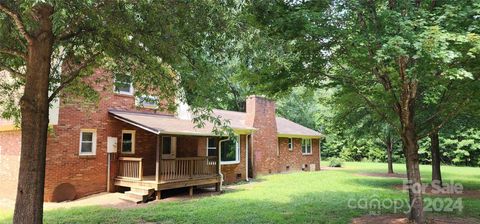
x: 123, y: 84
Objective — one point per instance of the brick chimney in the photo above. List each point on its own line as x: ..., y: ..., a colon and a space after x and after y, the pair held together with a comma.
x: 261, y: 115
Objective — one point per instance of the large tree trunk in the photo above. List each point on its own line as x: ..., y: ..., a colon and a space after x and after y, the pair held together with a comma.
x: 435, y: 149
x: 389, y: 144
x: 410, y: 147
x: 34, y: 109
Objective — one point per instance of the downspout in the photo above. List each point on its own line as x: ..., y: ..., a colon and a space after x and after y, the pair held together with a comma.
x: 108, y: 172
x: 246, y: 157
x: 320, y: 153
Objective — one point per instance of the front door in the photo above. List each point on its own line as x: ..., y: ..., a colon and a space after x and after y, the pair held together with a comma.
x: 169, y: 147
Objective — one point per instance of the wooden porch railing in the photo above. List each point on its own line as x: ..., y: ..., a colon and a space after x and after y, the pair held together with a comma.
x: 130, y: 168
x: 188, y: 168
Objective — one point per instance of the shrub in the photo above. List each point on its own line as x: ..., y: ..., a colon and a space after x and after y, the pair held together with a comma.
x: 336, y: 162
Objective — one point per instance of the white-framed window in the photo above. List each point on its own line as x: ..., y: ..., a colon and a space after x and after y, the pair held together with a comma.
x: 212, y: 146
x: 88, y: 142
x: 123, y: 84
x: 290, y: 144
x: 147, y: 101
x: 307, y: 146
x: 128, y: 141
x: 230, y: 151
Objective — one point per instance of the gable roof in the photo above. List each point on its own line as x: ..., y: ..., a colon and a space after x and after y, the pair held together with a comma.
x: 285, y: 127
x: 169, y: 124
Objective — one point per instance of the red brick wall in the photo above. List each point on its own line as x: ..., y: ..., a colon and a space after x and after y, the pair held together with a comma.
x: 230, y: 171
x: 87, y: 173
x: 295, y: 159
x: 10, y: 144
x: 261, y: 115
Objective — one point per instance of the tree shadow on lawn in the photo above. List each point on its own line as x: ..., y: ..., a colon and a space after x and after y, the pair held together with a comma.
x: 312, y: 207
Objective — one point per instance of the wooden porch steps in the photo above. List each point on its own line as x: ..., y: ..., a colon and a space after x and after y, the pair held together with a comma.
x: 139, y: 195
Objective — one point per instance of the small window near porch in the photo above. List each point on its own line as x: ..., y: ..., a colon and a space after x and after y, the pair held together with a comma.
x: 128, y: 141
x: 290, y: 144
x: 88, y: 142
x: 212, y: 147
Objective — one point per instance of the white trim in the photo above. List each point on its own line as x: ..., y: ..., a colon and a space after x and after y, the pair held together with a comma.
x: 283, y: 135
x: 94, y: 142
x: 207, y: 147
x: 237, y: 155
x: 290, y: 143
x: 310, y: 146
x: 132, y: 132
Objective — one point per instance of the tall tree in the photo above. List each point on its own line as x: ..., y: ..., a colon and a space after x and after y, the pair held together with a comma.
x: 49, y: 46
x: 394, y: 55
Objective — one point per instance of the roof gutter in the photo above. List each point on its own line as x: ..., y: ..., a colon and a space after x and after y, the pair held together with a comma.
x: 283, y: 135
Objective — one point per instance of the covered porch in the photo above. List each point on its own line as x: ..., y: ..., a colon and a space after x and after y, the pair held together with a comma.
x: 152, y: 159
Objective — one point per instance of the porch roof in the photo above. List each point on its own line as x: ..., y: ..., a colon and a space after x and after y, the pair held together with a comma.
x: 167, y: 124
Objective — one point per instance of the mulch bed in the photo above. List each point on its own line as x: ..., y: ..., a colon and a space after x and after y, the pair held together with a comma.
x: 390, y: 175
x: 465, y: 192
x: 401, y: 219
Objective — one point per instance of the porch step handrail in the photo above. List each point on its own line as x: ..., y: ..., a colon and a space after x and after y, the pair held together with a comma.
x: 130, y: 168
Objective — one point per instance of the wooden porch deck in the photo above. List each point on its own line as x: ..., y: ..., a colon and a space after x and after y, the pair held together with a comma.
x: 148, y: 182
x: 171, y: 173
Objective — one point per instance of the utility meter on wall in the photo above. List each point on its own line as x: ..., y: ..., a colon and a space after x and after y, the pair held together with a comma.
x: 111, y: 145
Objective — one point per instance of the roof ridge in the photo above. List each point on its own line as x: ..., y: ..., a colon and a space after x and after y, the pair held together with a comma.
x: 141, y: 112
x: 231, y: 111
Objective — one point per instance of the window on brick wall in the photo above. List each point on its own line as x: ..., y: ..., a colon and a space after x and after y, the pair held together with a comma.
x: 306, y: 146
x: 128, y: 141
x: 147, y: 101
x: 88, y: 142
x: 123, y: 84
x: 212, y: 147
x: 290, y: 144
x: 230, y: 151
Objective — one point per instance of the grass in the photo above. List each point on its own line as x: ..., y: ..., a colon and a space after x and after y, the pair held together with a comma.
x: 304, y: 197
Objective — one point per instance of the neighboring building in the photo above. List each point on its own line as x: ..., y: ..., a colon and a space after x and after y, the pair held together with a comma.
x: 150, y: 151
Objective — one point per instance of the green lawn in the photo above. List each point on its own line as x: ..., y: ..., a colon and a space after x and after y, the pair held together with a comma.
x: 311, y: 197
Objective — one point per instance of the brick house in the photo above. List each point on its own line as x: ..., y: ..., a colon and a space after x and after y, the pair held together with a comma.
x: 119, y: 144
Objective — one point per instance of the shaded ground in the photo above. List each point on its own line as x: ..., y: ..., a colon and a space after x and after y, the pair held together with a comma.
x: 391, y: 175
x: 401, y: 219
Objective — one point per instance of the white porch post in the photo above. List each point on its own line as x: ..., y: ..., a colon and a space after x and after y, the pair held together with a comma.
x: 219, y: 165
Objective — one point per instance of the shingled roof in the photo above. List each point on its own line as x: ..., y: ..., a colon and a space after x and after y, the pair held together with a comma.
x: 169, y: 124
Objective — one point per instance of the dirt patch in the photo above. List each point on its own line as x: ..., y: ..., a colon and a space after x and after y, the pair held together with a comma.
x: 429, y: 190
x: 401, y: 219
x: 390, y: 175
x: 112, y: 200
